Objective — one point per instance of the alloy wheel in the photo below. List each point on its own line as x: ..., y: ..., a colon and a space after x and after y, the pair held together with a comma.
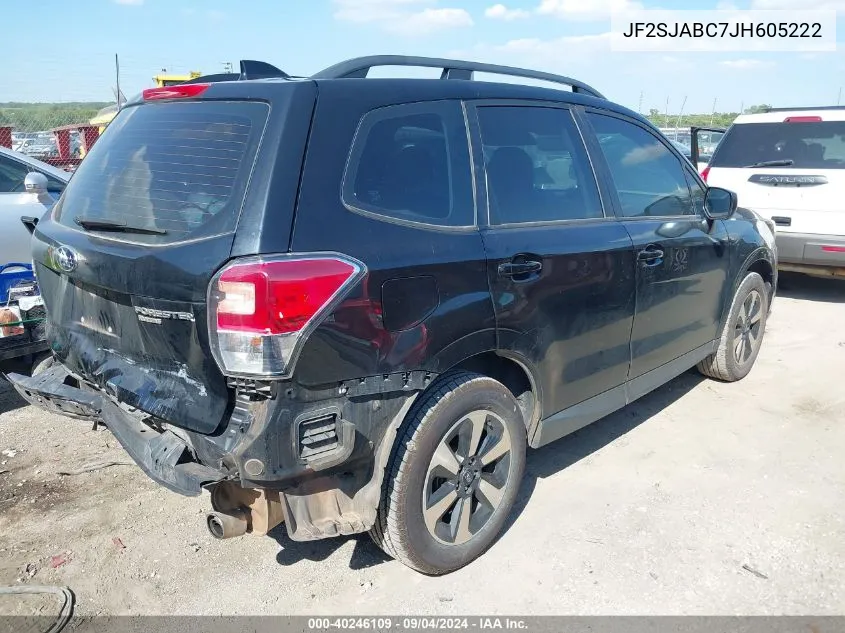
x: 748, y: 330
x: 467, y: 477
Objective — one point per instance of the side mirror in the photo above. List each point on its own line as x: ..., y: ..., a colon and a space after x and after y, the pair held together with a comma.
x: 719, y: 204
x: 35, y: 182
x: 30, y: 223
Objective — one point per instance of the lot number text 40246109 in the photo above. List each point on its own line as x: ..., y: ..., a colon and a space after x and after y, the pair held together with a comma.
x: 417, y: 623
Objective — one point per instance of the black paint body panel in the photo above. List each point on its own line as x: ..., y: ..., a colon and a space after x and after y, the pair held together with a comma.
x: 591, y: 329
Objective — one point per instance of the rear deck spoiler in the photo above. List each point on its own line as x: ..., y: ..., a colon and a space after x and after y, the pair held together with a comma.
x: 250, y: 69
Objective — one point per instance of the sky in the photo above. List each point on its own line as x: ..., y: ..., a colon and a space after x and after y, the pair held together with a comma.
x: 70, y: 56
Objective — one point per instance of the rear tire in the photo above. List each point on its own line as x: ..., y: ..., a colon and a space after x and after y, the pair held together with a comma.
x: 41, y: 364
x: 453, y: 476
x: 742, y: 334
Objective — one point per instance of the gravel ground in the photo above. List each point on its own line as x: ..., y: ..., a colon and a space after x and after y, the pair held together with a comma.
x: 702, y: 498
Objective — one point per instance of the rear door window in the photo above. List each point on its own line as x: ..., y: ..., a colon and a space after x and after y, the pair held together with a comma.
x: 179, y: 170
x: 536, y: 165
x: 410, y: 163
x: 808, y: 145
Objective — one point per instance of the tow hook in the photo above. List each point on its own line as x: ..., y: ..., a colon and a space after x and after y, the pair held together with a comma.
x: 238, y: 511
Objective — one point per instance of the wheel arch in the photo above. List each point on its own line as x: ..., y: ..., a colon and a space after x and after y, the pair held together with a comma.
x: 513, y: 373
x: 767, y: 271
x: 758, y: 261
x: 479, y: 352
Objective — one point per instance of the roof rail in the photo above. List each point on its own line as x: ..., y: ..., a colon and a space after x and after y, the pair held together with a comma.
x: 802, y: 108
x: 359, y: 67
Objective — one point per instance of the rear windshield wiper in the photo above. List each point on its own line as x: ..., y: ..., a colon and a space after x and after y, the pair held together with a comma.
x: 783, y: 162
x: 93, y: 224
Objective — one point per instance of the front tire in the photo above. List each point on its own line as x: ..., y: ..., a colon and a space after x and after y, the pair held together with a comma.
x: 454, y: 474
x: 742, y: 334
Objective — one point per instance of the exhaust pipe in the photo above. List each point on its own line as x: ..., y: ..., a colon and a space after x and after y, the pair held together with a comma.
x: 230, y: 524
x: 237, y: 511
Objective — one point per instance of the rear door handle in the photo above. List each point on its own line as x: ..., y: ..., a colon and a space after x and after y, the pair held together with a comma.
x: 650, y: 255
x: 512, y: 269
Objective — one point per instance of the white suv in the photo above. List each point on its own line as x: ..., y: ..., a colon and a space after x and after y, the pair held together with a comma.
x: 788, y: 165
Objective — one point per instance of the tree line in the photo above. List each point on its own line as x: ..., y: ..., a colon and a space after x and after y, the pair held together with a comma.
x: 36, y: 117
x: 718, y: 119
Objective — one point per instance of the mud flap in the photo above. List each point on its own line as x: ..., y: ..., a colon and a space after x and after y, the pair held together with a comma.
x: 327, y: 507
x: 164, y: 457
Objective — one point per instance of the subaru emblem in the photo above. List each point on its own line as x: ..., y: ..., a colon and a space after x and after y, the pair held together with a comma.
x: 65, y: 259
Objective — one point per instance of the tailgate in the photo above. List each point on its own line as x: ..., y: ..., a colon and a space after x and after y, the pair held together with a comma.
x: 125, y: 260
x: 799, y: 200
x: 133, y: 323
x: 787, y: 166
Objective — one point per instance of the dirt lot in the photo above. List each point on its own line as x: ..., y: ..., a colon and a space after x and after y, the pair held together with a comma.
x: 703, y: 498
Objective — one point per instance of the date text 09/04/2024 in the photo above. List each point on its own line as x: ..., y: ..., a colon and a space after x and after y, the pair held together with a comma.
x: 417, y: 624
x: 733, y: 30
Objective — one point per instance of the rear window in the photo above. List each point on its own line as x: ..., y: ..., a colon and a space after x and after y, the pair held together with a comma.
x: 810, y: 145
x: 178, y: 170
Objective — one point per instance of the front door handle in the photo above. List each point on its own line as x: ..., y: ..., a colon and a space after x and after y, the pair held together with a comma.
x: 513, y: 269
x: 651, y: 255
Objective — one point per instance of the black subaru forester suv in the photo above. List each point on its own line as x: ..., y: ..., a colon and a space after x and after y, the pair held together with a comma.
x: 350, y: 304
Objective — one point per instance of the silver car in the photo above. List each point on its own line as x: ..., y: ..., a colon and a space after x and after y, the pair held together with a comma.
x: 28, y: 188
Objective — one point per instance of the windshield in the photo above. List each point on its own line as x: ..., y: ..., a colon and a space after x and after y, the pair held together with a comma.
x: 177, y: 170
x: 804, y: 145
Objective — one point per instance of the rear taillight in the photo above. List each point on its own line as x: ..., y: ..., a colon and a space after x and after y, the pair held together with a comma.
x: 802, y: 119
x: 262, y: 309
x: 705, y: 173
x: 185, y: 91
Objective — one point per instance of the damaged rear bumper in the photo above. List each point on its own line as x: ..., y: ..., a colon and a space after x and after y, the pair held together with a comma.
x: 162, y: 456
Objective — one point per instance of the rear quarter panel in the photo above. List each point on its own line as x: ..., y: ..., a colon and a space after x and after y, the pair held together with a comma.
x: 442, y: 271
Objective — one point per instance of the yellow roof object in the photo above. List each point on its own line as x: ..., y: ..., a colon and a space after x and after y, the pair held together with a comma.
x: 167, y: 79
x: 104, y: 116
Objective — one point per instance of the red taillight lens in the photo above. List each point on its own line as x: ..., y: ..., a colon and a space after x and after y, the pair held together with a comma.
x: 175, y: 92
x: 705, y: 173
x: 262, y: 308
x: 278, y: 297
x: 802, y: 119
x: 833, y: 249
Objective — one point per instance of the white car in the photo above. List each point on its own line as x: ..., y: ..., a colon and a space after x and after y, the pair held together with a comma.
x: 788, y: 165
x: 24, y: 194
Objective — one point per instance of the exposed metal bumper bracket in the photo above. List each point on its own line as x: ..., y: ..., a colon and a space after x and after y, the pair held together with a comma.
x: 160, y: 455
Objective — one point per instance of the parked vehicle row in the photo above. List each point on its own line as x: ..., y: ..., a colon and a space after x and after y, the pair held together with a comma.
x: 28, y: 188
x: 788, y: 164
x: 42, y: 145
